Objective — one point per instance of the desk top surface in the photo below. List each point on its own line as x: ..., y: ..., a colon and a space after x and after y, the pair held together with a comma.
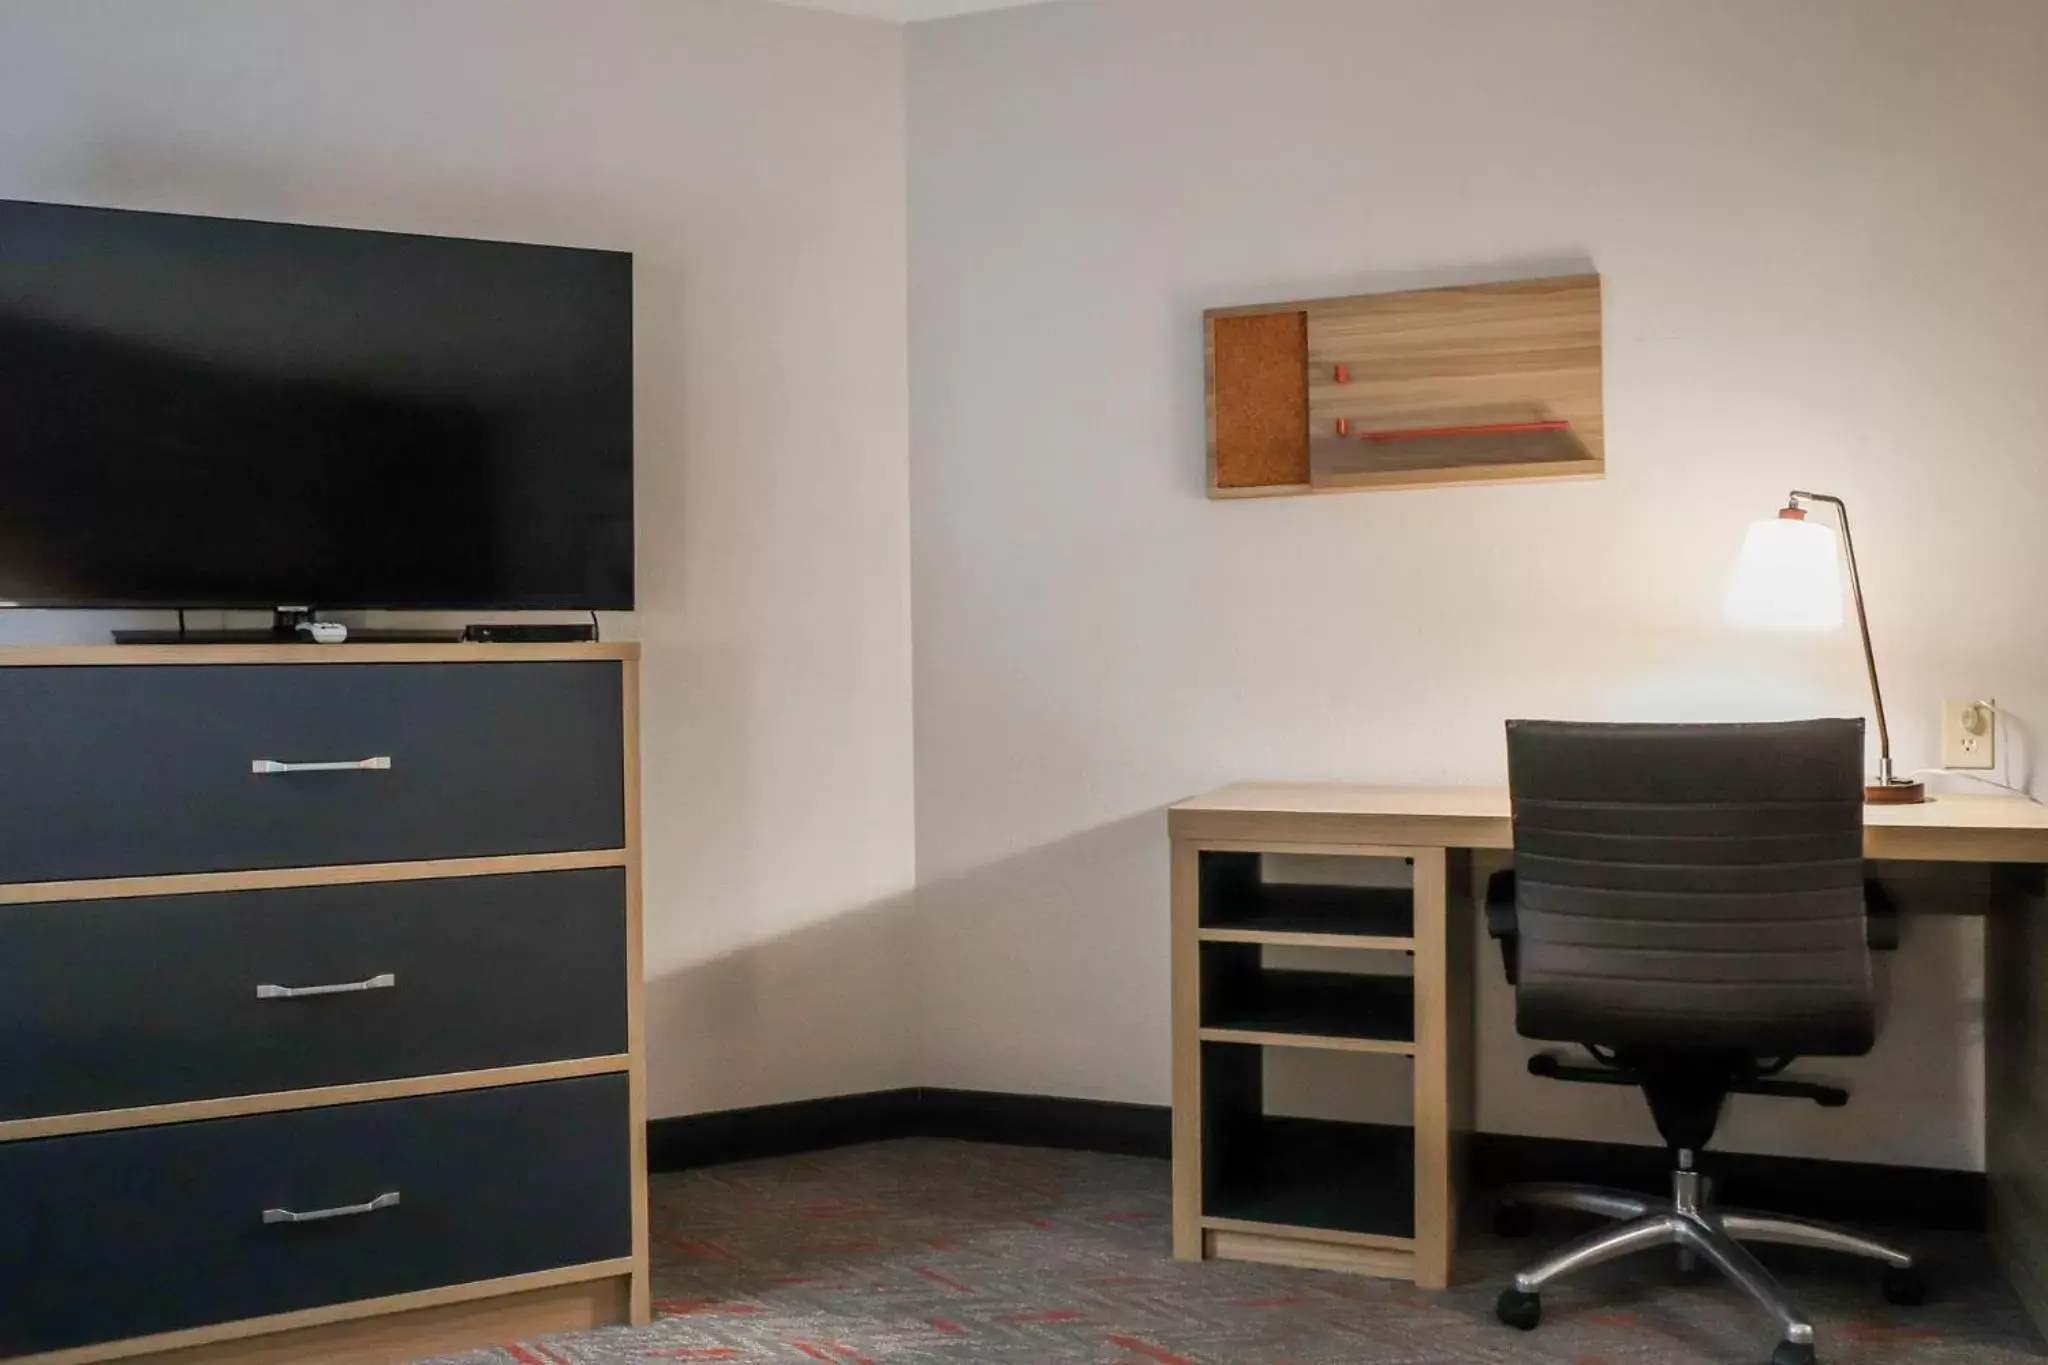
x: 1988, y: 828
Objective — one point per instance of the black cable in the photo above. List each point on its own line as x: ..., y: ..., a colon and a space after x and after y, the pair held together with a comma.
x: 181, y: 623
x: 596, y: 630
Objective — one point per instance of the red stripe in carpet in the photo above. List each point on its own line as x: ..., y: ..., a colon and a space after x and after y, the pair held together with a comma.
x: 936, y: 1278
x: 1149, y: 1351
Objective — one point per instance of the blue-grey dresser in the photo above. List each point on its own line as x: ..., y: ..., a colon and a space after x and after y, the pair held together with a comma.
x: 320, y: 1001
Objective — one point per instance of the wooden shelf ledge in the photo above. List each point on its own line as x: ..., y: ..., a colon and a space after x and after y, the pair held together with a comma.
x: 1324, y: 1042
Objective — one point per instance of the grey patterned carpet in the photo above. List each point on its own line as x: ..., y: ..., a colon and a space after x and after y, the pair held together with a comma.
x: 928, y: 1251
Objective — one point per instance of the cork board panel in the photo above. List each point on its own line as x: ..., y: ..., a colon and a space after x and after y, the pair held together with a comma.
x: 1258, y: 400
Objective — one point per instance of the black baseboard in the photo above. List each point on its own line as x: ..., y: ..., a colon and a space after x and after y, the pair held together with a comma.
x: 678, y: 1144
x: 1043, y: 1121
x: 1854, y: 1192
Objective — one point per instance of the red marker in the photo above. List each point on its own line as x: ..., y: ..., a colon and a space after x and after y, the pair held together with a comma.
x: 1490, y: 429
x: 1343, y: 374
x: 1343, y: 426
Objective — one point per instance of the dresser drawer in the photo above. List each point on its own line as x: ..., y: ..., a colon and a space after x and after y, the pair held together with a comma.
x: 119, y: 1003
x: 147, y: 1230
x: 152, y: 769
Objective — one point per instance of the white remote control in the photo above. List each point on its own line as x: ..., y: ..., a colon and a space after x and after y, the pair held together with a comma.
x: 325, y: 632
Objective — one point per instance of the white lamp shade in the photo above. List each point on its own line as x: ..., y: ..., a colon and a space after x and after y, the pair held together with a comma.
x: 1788, y: 577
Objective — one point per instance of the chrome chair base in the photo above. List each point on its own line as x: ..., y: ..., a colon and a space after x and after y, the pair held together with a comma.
x: 1700, y: 1232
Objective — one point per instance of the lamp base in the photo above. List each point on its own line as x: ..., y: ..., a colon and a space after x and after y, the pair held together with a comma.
x: 1896, y: 792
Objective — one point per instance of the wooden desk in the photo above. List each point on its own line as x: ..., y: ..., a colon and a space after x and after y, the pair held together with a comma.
x: 1229, y: 1158
x: 1950, y: 829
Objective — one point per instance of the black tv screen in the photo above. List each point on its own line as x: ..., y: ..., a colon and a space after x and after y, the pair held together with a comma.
x: 203, y: 412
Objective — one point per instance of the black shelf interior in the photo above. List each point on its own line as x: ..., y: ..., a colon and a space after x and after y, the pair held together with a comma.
x: 1239, y: 994
x: 1313, y: 1173
x: 1233, y: 897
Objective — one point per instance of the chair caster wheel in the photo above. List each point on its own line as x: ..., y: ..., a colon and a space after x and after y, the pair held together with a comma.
x: 1793, y: 1353
x: 1514, y: 1220
x: 1906, y: 1288
x: 1518, y: 1310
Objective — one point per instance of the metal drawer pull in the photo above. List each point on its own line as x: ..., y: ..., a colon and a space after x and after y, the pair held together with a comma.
x: 383, y: 982
x: 382, y: 1201
x: 381, y: 763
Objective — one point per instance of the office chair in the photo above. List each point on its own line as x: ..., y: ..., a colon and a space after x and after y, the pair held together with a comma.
x: 1688, y: 904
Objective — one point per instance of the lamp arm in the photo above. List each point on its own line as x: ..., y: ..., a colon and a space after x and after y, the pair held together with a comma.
x: 1884, y: 736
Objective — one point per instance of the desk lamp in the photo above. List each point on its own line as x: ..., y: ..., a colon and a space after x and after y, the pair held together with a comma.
x: 1789, y: 577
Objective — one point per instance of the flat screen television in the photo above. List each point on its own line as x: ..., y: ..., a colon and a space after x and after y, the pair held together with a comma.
x: 204, y: 412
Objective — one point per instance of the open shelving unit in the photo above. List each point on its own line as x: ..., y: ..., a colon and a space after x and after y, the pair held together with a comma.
x: 1375, y: 1198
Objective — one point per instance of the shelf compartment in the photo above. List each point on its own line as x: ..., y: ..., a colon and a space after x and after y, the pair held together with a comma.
x: 1305, y: 1009
x: 1295, y: 1232
x: 1502, y: 446
x: 1309, y: 1248
x: 1285, y: 1173
x: 1238, y: 907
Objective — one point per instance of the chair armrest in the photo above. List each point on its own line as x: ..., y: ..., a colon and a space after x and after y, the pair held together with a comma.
x: 1502, y: 922
x: 1826, y: 1096
x: 1880, y: 918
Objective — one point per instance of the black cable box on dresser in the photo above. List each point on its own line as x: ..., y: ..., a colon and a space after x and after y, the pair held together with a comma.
x: 486, y: 633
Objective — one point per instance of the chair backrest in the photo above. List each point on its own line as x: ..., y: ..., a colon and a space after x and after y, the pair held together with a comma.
x: 1692, y: 887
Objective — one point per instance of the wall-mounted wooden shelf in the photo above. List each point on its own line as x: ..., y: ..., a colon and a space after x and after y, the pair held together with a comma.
x: 1471, y: 384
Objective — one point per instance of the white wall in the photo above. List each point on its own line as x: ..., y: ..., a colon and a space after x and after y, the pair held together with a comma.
x: 751, y: 156
x: 1819, y: 227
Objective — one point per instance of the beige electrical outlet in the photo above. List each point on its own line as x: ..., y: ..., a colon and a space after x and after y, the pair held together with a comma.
x: 1969, y: 734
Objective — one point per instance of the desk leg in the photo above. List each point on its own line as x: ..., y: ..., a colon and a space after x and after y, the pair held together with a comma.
x: 1187, y: 1054
x: 2016, y: 1078
x: 1444, y: 985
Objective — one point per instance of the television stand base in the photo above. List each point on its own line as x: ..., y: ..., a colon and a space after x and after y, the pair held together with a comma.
x: 266, y: 637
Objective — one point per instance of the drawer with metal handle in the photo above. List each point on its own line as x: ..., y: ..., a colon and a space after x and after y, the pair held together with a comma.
x: 150, y: 1230
x: 380, y: 764
x: 147, y: 770
x: 383, y: 981
x: 116, y: 1004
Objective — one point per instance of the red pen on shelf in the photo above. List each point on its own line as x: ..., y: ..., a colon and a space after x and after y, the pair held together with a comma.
x: 1489, y: 429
